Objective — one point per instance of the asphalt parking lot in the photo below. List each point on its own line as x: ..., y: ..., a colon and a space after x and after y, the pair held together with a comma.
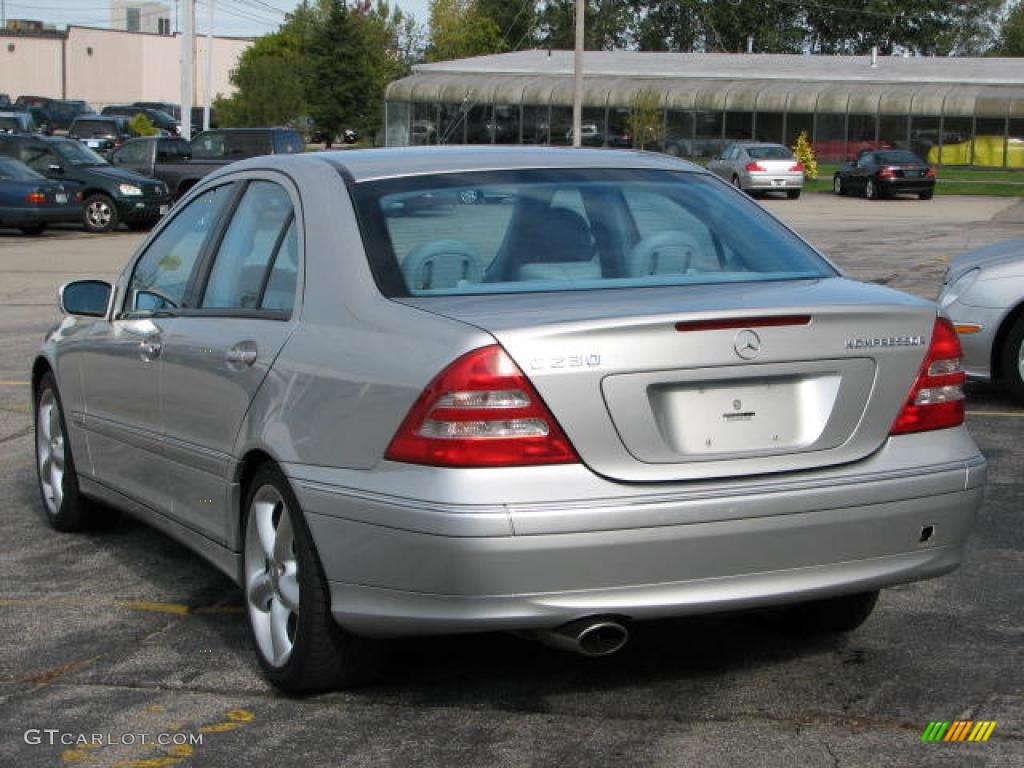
x: 127, y: 633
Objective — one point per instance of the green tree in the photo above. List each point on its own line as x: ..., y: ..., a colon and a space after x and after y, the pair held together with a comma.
x: 516, y: 20
x: 268, y: 79
x: 645, y: 120
x: 1011, y: 34
x: 338, y: 81
x: 141, y: 125
x: 459, y: 29
x: 606, y: 24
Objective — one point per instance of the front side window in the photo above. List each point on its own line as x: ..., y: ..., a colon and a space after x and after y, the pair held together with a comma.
x: 77, y: 154
x: 557, y: 230
x: 242, y: 266
x: 161, y: 276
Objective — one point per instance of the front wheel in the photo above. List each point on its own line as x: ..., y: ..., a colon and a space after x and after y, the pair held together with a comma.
x: 99, y: 214
x: 65, y: 508
x: 1013, y: 359
x: 837, y: 185
x: 830, y: 616
x: 298, y: 643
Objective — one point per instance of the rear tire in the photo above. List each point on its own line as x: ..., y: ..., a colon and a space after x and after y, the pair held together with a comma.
x: 1013, y: 359
x: 793, y: 194
x: 830, y: 616
x: 838, y: 186
x: 33, y: 230
x: 64, y: 507
x: 299, y: 645
x: 871, y: 190
x: 927, y: 195
x: 142, y: 226
x: 736, y: 183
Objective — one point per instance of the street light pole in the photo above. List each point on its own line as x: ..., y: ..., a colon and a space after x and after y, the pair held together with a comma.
x: 208, y: 75
x: 577, y: 74
x: 188, y: 53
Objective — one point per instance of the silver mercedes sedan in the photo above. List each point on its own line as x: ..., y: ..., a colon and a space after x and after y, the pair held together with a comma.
x: 606, y: 388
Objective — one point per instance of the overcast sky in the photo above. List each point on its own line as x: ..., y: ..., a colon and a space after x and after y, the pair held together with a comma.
x: 231, y: 17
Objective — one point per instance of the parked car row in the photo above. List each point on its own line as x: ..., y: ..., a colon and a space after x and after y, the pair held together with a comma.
x: 140, y: 178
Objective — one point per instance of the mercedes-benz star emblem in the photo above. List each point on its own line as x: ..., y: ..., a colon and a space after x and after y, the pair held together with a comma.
x: 747, y: 344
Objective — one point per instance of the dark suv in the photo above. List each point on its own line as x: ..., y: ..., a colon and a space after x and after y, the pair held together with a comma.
x: 161, y: 120
x: 111, y: 195
x: 63, y: 112
x: 101, y: 132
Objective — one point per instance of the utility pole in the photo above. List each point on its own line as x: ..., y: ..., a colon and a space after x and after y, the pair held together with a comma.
x: 188, y: 55
x: 208, y: 75
x: 577, y: 75
x: 3, y: 14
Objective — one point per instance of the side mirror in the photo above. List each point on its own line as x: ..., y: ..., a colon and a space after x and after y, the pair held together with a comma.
x: 89, y: 298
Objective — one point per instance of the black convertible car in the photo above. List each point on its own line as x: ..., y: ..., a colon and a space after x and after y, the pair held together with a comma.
x: 885, y: 172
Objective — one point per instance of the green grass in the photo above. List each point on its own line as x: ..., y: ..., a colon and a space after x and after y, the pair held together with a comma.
x: 951, y: 181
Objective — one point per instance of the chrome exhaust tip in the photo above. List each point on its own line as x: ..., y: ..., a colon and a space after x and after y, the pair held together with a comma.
x: 595, y: 636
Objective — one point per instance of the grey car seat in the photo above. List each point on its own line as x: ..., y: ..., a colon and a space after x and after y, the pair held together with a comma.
x: 557, y: 246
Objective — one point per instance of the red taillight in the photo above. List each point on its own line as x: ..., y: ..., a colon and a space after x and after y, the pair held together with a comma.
x: 755, y: 167
x: 78, y: 197
x: 887, y: 172
x: 929, y: 172
x: 35, y: 198
x: 797, y: 167
x: 481, y: 411
x: 936, y: 400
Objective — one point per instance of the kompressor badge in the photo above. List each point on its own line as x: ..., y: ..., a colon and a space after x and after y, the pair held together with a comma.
x: 885, y: 341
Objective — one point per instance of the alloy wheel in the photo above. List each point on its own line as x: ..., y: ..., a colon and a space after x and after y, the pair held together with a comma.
x: 837, y: 185
x: 50, y: 451
x: 272, y: 576
x: 99, y: 214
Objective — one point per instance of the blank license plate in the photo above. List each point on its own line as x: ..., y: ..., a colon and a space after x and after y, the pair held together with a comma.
x: 61, y: 198
x: 778, y: 182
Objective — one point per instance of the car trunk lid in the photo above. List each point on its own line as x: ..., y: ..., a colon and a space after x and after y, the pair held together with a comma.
x: 670, y: 384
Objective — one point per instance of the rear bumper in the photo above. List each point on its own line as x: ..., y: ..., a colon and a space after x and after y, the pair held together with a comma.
x: 401, y: 566
x: 780, y: 181
x: 906, y: 186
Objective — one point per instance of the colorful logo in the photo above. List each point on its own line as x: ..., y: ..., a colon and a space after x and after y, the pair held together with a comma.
x: 959, y: 730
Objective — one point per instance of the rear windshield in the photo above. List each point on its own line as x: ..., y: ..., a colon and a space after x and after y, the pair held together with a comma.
x: 557, y: 230
x: 898, y: 157
x: 88, y: 129
x: 769, y: 153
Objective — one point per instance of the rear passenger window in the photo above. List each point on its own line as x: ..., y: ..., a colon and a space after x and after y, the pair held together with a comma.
x: 243, y: 266
x: 280, y: 292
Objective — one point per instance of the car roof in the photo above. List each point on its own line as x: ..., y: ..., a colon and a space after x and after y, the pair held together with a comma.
x: 368, y: 164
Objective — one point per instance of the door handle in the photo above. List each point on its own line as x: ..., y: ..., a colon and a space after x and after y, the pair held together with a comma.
x: 242, y: 355
x: 149, y: 349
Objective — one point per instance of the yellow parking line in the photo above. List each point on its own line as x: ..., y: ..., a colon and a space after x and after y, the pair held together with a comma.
x: 13, y: 383
x: 1017, y: 414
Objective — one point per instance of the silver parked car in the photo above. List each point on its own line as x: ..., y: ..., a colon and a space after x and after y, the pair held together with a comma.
x: 623, y: 392
x: 983, y: 293
x: 760, y: 168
